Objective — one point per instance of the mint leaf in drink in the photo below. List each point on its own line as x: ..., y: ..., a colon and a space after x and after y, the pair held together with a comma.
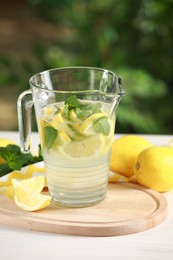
x: 50, y: 134
x: 82, y: 109
x: 102, y: 126
x: 92, y: 107
x: 82, y: 113
x: 72, y: 102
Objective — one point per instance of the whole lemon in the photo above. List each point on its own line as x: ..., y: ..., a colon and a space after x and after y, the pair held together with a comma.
x: 154, y: 168
x: 4, y: 142
x: 124, y: 153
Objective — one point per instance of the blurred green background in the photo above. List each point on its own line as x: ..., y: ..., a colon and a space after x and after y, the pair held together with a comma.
x: 133, y: 38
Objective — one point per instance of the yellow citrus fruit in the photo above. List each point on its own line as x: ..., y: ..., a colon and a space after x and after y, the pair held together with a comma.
x: 124, y: 153
x: 29, y: 199
x: 35, y: 183
x: 3, y: 143
x: 154, y: 168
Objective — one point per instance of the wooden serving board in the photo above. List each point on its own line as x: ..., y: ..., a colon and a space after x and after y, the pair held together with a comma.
x: 127, y: 208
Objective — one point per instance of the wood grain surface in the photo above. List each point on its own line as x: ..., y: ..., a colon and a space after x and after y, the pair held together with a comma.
x: 127, y: 208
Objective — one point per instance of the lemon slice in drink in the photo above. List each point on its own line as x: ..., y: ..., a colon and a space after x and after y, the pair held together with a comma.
x: 73, y: 116
x: 90, y: 147
x: 29, y: 199
x: 63, y: 138
x: 57, y: 119
x: 87, y: 126
x: 62, y: 125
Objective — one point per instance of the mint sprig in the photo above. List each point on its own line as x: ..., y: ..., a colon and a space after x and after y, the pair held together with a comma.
x: 15, y: 159
x: 82, y: 110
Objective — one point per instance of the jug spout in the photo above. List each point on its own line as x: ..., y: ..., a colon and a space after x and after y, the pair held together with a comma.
x: 118, y: 93
x: 115, y: 104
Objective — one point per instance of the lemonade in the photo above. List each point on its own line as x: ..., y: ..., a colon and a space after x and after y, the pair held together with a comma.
x: 76, y: 139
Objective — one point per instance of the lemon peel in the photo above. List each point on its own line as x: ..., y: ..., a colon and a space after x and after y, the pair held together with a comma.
x: 7, y: 191
x: 31, y: 170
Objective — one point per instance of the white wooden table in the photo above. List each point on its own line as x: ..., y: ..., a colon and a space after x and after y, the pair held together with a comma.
x: 153, y: 244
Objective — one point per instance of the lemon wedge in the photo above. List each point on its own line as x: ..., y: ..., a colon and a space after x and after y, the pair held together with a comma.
x: 87, y: 128
x: 36, y: 183
x: 87, y: 148
x: 28, y: 199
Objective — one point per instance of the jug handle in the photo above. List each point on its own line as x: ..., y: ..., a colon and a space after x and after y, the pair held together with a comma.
x: 24, y: 111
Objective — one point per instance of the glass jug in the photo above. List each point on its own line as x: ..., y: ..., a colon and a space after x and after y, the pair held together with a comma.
x: 75, y: 110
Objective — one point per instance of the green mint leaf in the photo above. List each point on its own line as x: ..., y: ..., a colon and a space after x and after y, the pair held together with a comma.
x: 4, y: 169
x: 88, y: 109
x: 50, y: 134
x: 102, y: 126
x: 15, y: 159
x: 82, y: 113
x: 72, y: 102
x: 93, y: 107
x: 4, y: 153
x: 16, y: 162
x: 13, y: 148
